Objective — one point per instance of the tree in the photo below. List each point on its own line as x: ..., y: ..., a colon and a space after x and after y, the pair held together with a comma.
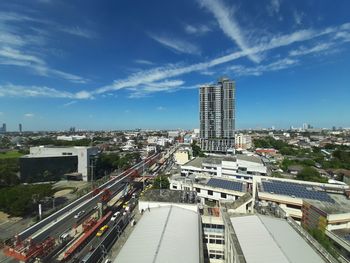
x: 161, y: 182
x: 310, y: 174
x: 196, y: 150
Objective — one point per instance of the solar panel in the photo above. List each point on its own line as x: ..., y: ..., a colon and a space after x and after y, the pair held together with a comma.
x: 225, y: 184
x: 296, y: 190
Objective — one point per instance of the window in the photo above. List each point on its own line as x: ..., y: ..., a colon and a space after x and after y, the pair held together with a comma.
x: 210, y: 192
x: 174, y: 187
x: 198, y: 190
x: 223, y: 195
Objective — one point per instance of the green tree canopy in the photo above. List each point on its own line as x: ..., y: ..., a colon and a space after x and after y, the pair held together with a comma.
x: 161, y: 182
x: 310, y: 174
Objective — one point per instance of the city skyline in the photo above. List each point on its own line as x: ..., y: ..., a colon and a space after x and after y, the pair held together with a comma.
x: 120, y: 67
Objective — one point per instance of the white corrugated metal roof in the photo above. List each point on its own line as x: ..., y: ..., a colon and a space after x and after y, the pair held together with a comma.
x: 165, y: 234
x: 266, y: 239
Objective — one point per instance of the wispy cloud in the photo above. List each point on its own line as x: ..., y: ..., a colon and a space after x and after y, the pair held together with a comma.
x: 20, y: 48
x: 313, y: 49
x: 143, y: 62
x: 197, y: 29
x: 141, y: 81
x: 77, y: 31
x: 69, y: 103
x: 10, y: 90
x: 29, y: 115
x: 298, y: 17
x: 239, y: 70
x: 161, y: 108
x: 228, y: 24
x: 177, y: 45
x: 274, y: 7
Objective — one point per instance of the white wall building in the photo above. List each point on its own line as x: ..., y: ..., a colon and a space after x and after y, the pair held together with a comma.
x: 243, y: 141
x: 83, y: 153
x: 238, y: 167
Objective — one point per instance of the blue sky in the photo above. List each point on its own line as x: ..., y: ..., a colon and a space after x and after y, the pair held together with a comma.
x: 138, y: 64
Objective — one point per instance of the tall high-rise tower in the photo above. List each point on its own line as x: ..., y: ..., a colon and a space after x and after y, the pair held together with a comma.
x: 20, y: 128
x: 217, y: 116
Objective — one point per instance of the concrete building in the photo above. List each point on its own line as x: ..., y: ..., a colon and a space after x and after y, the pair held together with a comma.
x: 239, y: 166
x: 164, y: 234
x: 20, y: 128
x: 243, y: 141
x: 258, y: 238
x: 333, y: 219
x: 51, y: 159
x: 217, y: 116
x: 182, y: 156
x: 71, y: 137
x: 3, y: 128
x: 289, y: 194
x: 210, y: 190
x: 173, y: 134
x: 229, y: 230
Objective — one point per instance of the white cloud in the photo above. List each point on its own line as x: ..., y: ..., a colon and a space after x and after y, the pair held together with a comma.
x: 161, y: 108
x: 83, y: 95
x: 20, y: 47
x: 15, y: 57
x: 274, y: 7
x: 177, y: 45
x: 239, y: 70
x: 298, y: 17
x: 197, y: 30
x: 314, y: 49
x: 77, y: 31
x: 10, y: 90
x: 69, y: 103
x: 29, y: 115
x: 142, y: 81
x: 143, y: 62
x: 228, y: 24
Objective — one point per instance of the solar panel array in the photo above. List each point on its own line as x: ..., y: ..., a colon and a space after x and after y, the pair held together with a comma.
x: 225, y: 184
x: 347, y: 237
x: 295, y: 190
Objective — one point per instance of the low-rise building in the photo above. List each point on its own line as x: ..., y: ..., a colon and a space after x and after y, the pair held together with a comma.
x: 57, y: 161
x: 243, y: 141
x: 239, y: 166
x: 182, y: 156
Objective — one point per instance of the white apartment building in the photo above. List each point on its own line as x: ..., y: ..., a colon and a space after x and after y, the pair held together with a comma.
x: 239, y: 166
x: 243, y: 141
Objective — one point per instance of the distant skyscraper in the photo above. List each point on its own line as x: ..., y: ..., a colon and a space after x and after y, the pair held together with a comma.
x: 3, y: 127
x: 217, y: 116
x: 20, y: 127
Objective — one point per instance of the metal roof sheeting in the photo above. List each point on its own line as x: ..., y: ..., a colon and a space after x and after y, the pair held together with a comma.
x: 267, y: 239
x: 166, y: 234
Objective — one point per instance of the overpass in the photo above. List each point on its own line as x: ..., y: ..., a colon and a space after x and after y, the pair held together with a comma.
x: 42, y: 237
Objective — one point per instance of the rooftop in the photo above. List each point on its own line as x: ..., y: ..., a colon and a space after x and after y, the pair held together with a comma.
x: 341, y: 205
x: 169, y: 196
x: 157, y: 237
x: 248, y: 158
x: 296, y: 190
x: 198, y: 161
x: 261, y: 241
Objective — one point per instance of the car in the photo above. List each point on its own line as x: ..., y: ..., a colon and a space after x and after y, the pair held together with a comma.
x: 102, y: 230
x: 79, y: 214
x: 115, y: 216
